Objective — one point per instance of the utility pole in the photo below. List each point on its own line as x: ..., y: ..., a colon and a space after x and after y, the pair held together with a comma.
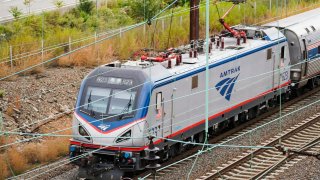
x: 194, y: 19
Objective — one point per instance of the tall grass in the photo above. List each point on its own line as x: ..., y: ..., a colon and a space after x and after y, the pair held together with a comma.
x: 30, y: 155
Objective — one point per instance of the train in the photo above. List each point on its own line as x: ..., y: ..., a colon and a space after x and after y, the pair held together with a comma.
x: 121, y: 104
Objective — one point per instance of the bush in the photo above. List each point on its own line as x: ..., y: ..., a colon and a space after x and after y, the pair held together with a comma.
x: 86, y: 6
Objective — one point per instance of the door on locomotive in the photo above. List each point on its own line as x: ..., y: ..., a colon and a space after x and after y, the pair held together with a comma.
x: 164, y: 107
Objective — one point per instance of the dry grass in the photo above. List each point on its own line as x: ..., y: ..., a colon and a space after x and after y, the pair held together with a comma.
x: 17, y: 102
x: 10, y: 110
x: 17, y: 161
x: 31, y: 154
x: 4, y: 171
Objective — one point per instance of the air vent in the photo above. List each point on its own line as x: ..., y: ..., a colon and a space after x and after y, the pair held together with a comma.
x: 308, y: 31
x: 313, y: 29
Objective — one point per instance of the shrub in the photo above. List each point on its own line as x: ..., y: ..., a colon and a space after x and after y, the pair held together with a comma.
x: 86, y: 6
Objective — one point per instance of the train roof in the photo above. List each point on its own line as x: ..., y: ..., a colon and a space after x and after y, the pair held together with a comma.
x: 159, y: 71
x: 302, y: 24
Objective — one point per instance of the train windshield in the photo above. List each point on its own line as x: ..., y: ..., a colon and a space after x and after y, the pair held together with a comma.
x: 108, y: 102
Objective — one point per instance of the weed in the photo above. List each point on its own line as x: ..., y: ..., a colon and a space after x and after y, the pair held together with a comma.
x: 2, y: 93
x: 17, y: 102
x: 10, y: 110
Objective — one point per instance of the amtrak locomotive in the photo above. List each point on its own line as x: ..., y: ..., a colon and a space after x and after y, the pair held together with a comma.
x: 120, y: 104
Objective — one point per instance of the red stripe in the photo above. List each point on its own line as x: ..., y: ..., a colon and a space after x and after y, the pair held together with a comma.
x: 94, y: 146
x: 314, y: 45
x: 182, y: 130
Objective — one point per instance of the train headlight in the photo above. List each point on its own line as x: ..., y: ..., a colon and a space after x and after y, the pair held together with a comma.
x: 84, y: 133
x: 295, y: 74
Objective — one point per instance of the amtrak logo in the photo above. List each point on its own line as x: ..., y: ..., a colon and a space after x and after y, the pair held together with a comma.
x: 104, y: 127
x: 225, y: 86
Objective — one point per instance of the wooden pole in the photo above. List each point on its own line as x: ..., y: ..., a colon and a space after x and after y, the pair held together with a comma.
x: 194, y: 19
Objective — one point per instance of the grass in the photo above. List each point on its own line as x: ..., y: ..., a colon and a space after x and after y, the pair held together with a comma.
x: 4, y: 171
x: 30, y: 155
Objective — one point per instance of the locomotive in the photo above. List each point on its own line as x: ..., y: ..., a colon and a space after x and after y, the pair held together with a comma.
x: 120, y: 104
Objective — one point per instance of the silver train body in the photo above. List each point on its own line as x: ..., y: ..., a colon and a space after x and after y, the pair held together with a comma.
x: 166, y: 99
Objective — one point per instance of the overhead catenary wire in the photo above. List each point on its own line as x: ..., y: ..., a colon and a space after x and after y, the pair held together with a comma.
x: 80, y: 47
x: 244, y: 133
x: 57, y: 87
x: 284, y: 67
x: 26, y: 140
x: 52, y: 47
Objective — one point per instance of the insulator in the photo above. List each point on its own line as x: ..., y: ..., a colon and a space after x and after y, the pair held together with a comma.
x: 151, y: 157
x: 238, y: 41
x: 218, y: 43
x: 192, y: 44
x: 190, y: 54
x: 177, y: 60
x: 222, y: 44
x: 210, y: 47
x: 245, y: 39
x: 195, y: 53
x: 169, y: 63
x: 213, y: 39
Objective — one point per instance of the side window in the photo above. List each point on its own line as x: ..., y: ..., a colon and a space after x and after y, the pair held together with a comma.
x: 318, y: 49
x: 194, y: 82
x: 282, y: 52
x: 269, y: 54
x: 159, y: 101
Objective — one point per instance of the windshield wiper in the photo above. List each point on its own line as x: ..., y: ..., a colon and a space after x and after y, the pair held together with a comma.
x: 126, y: 108
x: 89, y: 102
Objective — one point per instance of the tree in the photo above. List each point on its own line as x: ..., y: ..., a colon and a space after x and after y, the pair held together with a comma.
x: 27, y: 3
x: 145, y: 9
x: 58, y: 3
x: 86, y: 6
x: 15, y: 12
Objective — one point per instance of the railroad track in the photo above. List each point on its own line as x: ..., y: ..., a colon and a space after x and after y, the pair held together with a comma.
x: 224, y: 138
x: 259, y: 163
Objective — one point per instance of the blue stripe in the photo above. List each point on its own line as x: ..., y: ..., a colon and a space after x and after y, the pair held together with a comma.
x: 215, y: 64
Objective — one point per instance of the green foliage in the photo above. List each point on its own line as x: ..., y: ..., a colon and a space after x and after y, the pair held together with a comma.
x: 144, y: 9
x: 5, y: 32
x: 15, y: 12
x: 58, y: 3
x: 86, y: 6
